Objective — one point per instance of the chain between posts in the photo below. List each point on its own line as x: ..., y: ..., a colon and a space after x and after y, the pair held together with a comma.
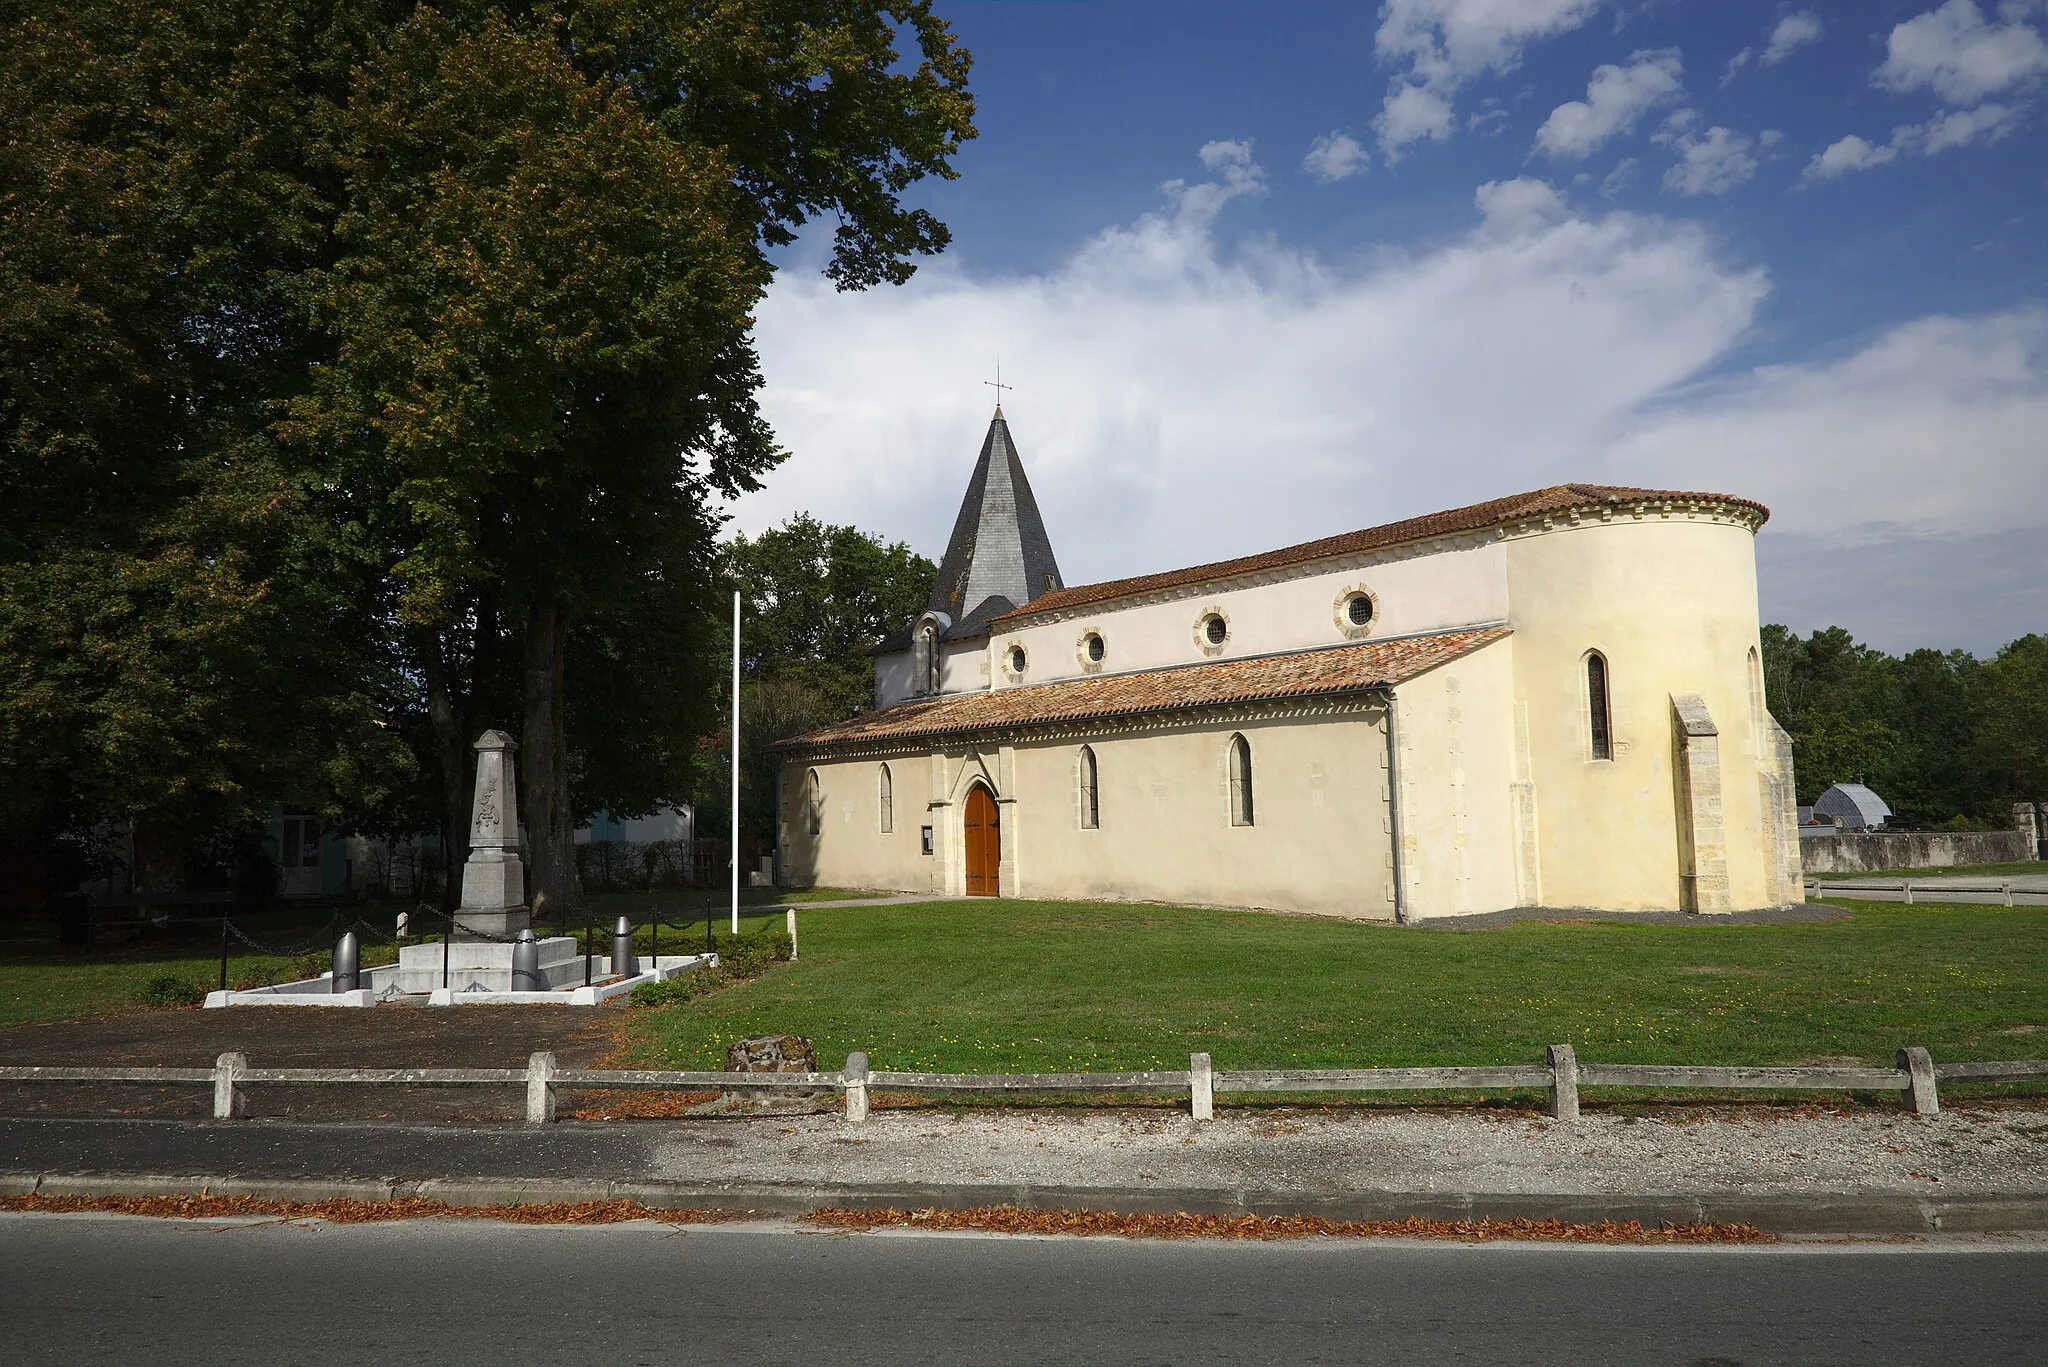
x: 318, y: 937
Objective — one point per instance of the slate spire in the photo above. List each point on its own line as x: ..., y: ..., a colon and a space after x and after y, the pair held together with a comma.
x: 999, y: 556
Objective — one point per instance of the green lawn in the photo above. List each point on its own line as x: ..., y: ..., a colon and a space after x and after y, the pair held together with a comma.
x: 41, y: 981
x: 1006, y: 986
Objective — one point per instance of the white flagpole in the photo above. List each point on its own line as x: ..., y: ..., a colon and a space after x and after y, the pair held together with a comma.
x: 735, y: 761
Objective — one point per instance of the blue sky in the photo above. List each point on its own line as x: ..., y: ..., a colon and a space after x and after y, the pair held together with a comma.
x: 1261, y: 273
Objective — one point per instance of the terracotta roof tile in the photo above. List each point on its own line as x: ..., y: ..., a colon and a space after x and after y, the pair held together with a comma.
x: 1307, y: 673
x: 1556, y: 499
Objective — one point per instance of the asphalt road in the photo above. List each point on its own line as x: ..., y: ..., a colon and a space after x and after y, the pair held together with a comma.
x: 103, y: 1289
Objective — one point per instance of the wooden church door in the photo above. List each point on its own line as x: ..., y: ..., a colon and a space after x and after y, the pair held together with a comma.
x: 984, y: 844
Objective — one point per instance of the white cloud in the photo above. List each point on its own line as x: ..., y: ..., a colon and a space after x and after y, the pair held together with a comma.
x: 1793, y: 32
x: 1712, y: 163
x: 1951, y: 128
x: 1960, y: 127
x: 1616, y: 97
x: 1334, y: 157
x: 1736, y: 63
x: 1960, y: 56
x: 1437, y: 46
x: 1178, y: 401
x: 1517, y: 208
x: 1621, y: 177
x: 1845, y: 155
x: 1240, y: 178
x: 1411, y: 114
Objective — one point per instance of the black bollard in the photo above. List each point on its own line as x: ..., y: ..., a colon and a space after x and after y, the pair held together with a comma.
x: 622, y: 949
x: 348, y: 958
x: 526, y: 964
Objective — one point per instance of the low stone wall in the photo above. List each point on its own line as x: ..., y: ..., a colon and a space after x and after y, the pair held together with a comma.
x: 1877, y: 851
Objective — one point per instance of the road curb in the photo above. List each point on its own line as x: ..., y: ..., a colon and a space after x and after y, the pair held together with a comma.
x: 1802, y: 1213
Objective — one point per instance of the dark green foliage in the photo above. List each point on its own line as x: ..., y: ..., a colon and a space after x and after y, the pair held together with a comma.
x: 816, y: 597
x: 1944, y: 738
x: 366, y: 374
x: 168, y: 989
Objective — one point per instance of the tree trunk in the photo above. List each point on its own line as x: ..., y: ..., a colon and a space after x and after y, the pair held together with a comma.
x: 451, y: 751
x: 159, y: 854
x: 544, y: 766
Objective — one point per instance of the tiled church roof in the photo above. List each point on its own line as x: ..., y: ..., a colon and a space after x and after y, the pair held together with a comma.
x: 1559, y: 498
x: 1301, y: 674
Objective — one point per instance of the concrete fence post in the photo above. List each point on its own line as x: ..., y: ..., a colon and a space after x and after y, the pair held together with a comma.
x: 228, y: 1104
x: 792, y: 934
x: 1564, y: 1082
x: 540, y: 1088
x: 2006, y: 888
x: 1907, y: 888
x: 1920, y: 1091
x: 1201, y: 1087
x: 855, y: 1075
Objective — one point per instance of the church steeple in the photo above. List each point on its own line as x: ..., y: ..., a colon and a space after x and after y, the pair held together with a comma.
x: 999, y: 556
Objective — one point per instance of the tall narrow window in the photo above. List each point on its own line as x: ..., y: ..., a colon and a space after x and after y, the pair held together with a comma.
x: 1598, y: 718
x: 885, y: 800
x: 927, y: 661
x: 1091, y: 801
x: 1240, y: 781
x: 1756, y: 696
x: 814, y: 804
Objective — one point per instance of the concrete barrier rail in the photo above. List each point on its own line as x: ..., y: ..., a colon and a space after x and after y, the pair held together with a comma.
x: 1917, y: 1079
x: 1975, y: 891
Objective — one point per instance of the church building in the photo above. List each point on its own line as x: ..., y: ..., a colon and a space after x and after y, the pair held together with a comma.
x: 1549, y: 700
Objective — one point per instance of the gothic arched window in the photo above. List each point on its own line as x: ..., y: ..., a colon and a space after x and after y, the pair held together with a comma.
x: 885, y: 800
x: 1240, y: 781
x: 814, y: 804
x: 1599, y: 717
x: 1091, y: 797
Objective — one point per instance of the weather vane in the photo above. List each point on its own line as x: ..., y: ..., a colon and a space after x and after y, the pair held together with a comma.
x: 997, y: 383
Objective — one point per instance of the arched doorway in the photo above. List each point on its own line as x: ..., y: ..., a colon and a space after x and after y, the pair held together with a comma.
x: 984, y: 844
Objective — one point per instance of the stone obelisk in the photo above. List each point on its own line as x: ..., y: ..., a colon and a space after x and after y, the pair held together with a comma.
x: 494, y: 879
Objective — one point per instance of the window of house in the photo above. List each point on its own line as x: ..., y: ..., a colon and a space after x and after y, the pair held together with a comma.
x: 1358, y: 609
x: 1095, y: 647
x: 1016, y: 659
x: 1240, y: 781
x: 814, y: 804
x: 1214, y: 629
x: 300, y: 847
x: 885, y: 800
x: 1599, y: 718
x: 1091, y: 802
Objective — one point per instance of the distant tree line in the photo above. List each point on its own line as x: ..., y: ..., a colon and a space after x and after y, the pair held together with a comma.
x: 371, y: 375
x: 1945, y: 738
x: 816, y: 598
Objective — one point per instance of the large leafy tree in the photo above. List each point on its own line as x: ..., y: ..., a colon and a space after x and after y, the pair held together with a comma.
x: 402, y: 349
x: 182, y: 640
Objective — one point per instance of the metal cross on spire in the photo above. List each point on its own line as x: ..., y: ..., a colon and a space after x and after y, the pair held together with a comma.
x: 997, y: 384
